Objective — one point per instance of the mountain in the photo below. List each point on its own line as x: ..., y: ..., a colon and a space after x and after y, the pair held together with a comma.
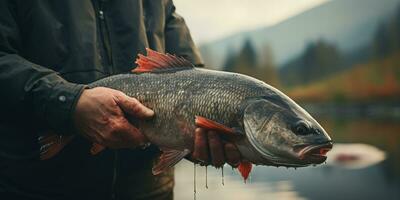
x: 349, y: 24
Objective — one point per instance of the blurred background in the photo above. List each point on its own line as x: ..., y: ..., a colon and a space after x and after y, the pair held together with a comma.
x: 340, y: 59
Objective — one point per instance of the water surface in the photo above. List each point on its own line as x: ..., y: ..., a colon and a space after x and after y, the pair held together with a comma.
x: 378, y: 181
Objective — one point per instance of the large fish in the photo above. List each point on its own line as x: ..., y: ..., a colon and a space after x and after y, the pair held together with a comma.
x: 272, y: 129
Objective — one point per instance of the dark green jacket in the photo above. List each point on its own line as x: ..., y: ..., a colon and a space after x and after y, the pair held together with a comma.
x: 48, y: 51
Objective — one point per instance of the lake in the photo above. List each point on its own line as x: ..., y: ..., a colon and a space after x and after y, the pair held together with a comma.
x: 377, y: 181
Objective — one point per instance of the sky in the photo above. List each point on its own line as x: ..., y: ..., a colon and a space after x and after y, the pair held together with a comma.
x: 210, y: 20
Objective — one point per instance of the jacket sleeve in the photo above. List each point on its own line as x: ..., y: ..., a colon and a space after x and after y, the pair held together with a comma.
x: 28, y: 89
x: 178, y: 39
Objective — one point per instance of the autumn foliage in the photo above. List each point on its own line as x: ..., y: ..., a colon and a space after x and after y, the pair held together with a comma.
x: 377, y: 80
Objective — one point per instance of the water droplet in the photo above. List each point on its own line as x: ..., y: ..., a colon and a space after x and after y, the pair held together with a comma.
x: 206, y: 179
x: 222, y: 174
x: 194, y: 181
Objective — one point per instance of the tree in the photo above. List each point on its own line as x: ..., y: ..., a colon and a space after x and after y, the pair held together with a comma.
x: 230, y: 61
x: 319, y: 60
x: 246, y: 62
x: 382, y: 41
x: 267, y: 69
x: 387, y: 37
x: 247, y: 55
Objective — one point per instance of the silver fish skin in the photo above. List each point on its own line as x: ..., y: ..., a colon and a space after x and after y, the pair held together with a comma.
x: 276, y: 131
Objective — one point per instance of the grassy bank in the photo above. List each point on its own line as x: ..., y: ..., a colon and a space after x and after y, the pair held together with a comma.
x: 375, y: 81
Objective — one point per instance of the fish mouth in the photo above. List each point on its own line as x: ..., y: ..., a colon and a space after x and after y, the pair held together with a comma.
x: 313, y: 153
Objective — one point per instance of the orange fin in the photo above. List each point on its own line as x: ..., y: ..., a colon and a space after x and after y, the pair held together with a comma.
x: 212, y: 125
x: 155, y: 61
x: 168, y: 159
x: 51, y: 145
x: 96, y: 148
x: 245, y: 169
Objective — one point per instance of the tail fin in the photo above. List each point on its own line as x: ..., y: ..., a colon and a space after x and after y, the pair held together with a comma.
x: 52, y: 144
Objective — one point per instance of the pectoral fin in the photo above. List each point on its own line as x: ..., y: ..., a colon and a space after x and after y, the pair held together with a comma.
x: 52, y: 144
x: 213, y: 125
x: 168, y: 159
x: 245, y: 169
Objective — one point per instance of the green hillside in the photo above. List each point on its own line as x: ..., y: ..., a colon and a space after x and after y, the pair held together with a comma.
x: 377, y: 80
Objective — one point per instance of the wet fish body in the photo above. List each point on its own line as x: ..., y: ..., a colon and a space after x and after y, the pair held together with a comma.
x: 178, y: 96
x: 274, y: 130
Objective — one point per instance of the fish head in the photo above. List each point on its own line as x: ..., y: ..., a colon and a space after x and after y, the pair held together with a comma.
x: 281, y: 133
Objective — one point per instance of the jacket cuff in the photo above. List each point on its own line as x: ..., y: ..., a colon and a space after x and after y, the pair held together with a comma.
x: 60, y: 106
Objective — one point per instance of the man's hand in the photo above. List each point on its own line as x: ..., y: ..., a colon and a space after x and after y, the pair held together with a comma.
x: 100, y: 116
x: 210, y: 149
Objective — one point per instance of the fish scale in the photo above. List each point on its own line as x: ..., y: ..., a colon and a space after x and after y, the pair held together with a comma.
x: 178, y: 96
x: 266, y: 126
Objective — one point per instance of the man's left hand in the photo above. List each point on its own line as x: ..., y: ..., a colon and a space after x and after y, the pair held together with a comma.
x: 209, y: 148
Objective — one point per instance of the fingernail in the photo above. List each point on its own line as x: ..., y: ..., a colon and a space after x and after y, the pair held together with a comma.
x: 148, y: 112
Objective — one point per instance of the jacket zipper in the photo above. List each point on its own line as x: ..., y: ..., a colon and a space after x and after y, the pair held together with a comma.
x: 105, y: 36
x: 107, y: 54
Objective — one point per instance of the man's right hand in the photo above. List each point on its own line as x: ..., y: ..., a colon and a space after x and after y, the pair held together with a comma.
x: 100, y: 116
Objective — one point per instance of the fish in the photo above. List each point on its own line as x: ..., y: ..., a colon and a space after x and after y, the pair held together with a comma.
x: 267, y: 127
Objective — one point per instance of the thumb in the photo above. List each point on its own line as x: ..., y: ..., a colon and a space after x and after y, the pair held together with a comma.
x: 133, y: 107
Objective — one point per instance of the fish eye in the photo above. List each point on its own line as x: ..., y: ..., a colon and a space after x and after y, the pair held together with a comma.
x: 301, y: 128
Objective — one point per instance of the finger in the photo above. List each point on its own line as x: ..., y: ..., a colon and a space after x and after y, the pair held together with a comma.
x: 126, y: 136
x: 94, y: 134
x: 232, y: 154
x: 96, y: 138
x: 134, y: 107
x: 216, y: 149
x: 131, y: 137
x: 96, y: 148
x: 231, y: 136
x: 200, y: 152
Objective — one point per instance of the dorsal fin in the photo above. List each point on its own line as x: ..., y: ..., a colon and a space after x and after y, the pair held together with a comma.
x: 155, y: 61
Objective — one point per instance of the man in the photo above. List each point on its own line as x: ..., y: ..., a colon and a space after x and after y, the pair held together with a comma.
x: 49, y: 50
